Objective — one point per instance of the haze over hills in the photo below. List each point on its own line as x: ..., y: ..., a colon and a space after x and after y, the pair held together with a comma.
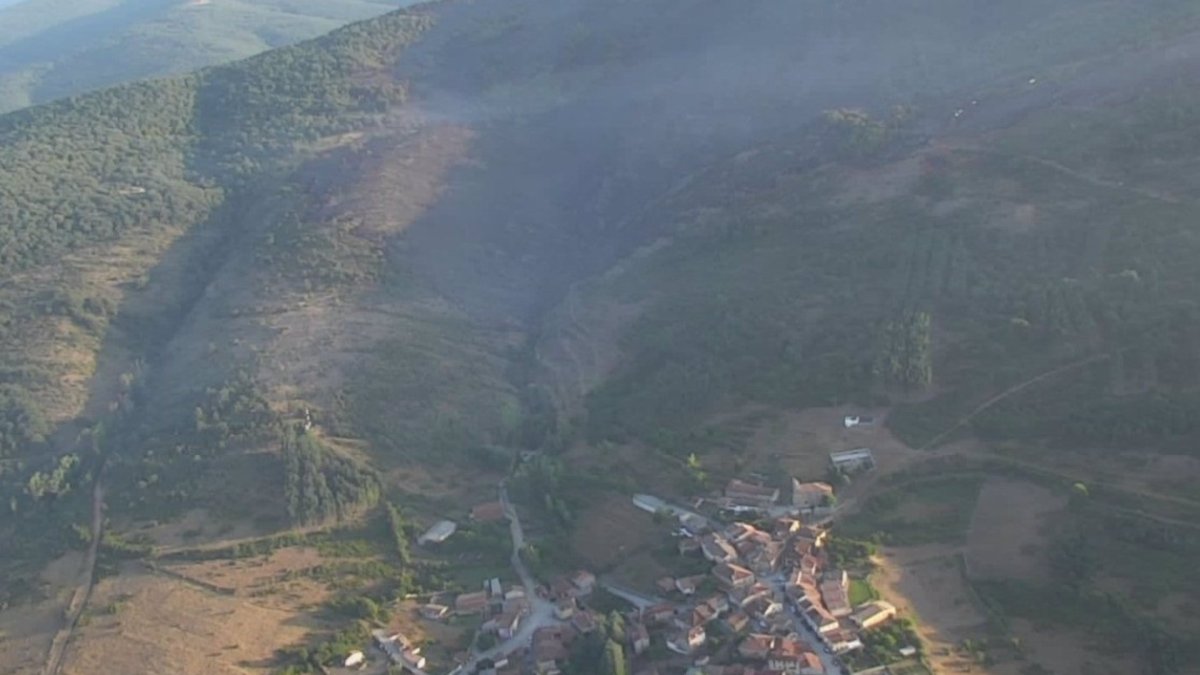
x: 636, y: 238
x: 50, y: 48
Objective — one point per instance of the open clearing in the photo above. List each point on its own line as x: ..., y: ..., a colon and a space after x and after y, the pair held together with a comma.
x: 1066, y: 652
x: 143, y: 622
x: 934, y: 510
x: 614, y: 519
x: 276, y: 581
x: 925, y: 582
x: 1009, y: 530
x: 803, y: 440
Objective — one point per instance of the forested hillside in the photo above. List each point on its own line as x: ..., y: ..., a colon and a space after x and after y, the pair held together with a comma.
x: 119, y: 206
x: 52, y: 48
x: 363, y: 271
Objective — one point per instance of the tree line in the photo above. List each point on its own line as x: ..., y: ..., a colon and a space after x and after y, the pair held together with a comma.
x: 320, y: 485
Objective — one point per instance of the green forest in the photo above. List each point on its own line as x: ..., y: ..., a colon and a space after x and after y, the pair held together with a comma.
x: 319, y: 485
x: 50, y: 49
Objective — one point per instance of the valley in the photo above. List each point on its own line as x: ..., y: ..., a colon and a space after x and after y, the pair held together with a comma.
x: 267, y: 323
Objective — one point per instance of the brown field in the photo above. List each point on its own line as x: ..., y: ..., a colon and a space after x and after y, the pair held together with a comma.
x: 803, y: 440
x: 613, y: 530
x: 925, y: 583
x: 274, y: 581
x: 139, y: 622
x: 1009, y: 530
x: 27, y: 630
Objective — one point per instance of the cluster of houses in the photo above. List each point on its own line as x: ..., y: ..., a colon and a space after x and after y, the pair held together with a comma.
x: 770, y: 584
x: 503, y: 607
x: 398, y: 649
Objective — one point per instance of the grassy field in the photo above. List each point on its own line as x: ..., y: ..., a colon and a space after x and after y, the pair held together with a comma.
x: 935, y: 510
x: 862, y: 591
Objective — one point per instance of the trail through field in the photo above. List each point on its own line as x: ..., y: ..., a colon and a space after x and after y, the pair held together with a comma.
x: 87, y: 580
x: 1009, y: 392
x: 1053, y: 165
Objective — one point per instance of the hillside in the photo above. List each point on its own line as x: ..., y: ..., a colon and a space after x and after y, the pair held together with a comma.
x: 637, y: 238
x: 50, y: 48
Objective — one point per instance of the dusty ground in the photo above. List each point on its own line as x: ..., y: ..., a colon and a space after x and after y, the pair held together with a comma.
x: 803, y: 440
x: 142, y: 622
x: 614, y: 529
x: 925, y: 583
x: 1009, y: 530
x: 26, y: 631
x: 276, y: 581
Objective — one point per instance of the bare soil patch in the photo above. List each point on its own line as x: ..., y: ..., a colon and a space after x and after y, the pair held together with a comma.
x: 925, y: 583
x: 142, y: 622
x: 614, y: 529
x: 803, y: 440
x: 277, y: 580
x: 1009, y: 530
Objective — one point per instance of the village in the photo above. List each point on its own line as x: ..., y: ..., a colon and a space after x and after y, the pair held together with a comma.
x: 773, y: 599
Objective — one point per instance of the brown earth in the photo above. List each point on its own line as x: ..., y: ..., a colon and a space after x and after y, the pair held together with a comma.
x: 804, y: 439
x: 142, y: 622
x: 926, y: 583
x: 27, y: 631
x: 275, y: 581
x: 1009, y: 530
x: 612, y: 530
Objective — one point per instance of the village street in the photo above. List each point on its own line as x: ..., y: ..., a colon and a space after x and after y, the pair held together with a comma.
x: 541, y: 611
x: 777, y: 583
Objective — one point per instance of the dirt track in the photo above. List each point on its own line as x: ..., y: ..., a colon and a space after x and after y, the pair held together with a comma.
x: 87, y: 579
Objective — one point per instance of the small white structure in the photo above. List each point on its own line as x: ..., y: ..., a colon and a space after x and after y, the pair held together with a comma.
x: 851, y: 421
x: 849, y: 461
x: 354, y: 659
x: 650, y: 503
x: 440, y: 532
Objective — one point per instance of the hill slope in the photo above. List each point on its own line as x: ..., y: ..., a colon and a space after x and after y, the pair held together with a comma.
x: 599, y: 231
x: 50, y: 49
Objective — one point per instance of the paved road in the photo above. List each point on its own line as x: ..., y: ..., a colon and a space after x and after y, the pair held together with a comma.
x: 829, y: 660
x: 541, y: 610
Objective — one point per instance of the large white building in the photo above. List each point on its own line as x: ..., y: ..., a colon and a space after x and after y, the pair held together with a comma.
x: 849, y: 461
x: 440, y: 532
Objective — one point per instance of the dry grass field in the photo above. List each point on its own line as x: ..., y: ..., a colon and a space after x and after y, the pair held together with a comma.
x: 1009, y: 530
x: 143, y: 622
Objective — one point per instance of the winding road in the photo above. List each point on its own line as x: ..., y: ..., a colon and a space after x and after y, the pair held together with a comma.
x: 541, y: 611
